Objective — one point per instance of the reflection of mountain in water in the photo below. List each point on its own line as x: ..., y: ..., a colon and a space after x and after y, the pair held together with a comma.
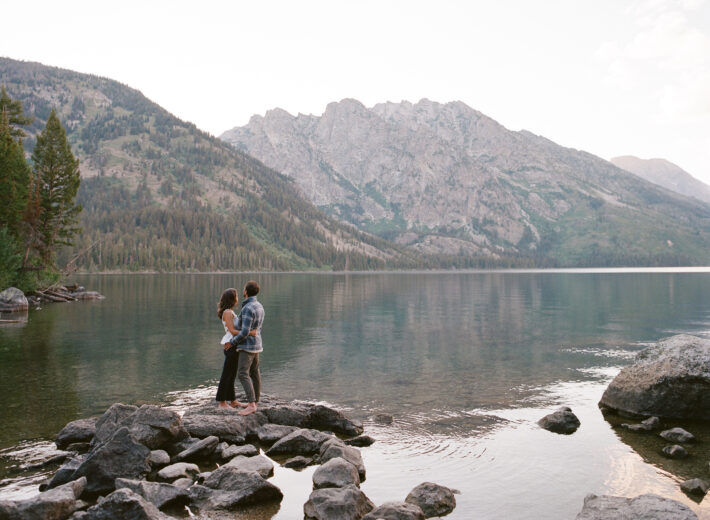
x: 649, y: 445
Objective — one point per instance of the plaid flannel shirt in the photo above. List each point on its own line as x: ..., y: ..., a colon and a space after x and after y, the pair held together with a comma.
x: 250, y: 317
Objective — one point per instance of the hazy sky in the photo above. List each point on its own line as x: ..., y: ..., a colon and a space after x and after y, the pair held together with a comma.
x: 612, y: 77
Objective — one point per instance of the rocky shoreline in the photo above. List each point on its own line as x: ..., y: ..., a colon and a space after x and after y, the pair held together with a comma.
x: 13, y: 299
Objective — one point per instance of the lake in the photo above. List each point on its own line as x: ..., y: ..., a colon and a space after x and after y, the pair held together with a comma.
x: 465, y: 362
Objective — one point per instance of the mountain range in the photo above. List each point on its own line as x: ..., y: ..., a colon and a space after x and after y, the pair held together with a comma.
x: 398, y: 185
x: 666, y: 174
x: 447, y: 179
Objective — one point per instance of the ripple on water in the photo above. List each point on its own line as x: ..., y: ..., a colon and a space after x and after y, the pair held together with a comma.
x: 18, y: 481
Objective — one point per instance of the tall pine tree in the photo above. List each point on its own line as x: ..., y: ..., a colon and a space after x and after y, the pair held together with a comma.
x: 14, y: 179
x: 15, y: 114
x: 56, y: 173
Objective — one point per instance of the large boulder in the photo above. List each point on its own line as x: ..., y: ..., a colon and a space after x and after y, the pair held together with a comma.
x: 396, y: 511
x: 669, y: 379
x: 325, y: 418
x: 81, y: 430
x: 299, y: 442
x: 12, y: 300
x: 334, y: 448
x: 561, y: 421
x: 229, y: 488
x: 124, y: 504
x: 262, y: 465
x: 109, y: 422
x: 157, y: 493
x: 648, y: 507
x: 155, y: 426
x: 336, y: 472
x: 66, y: 472
x: 119, y: 457
x: 226, y: 424
x: 347, y: 503
x: 56, y: 504
x: 433, y: 499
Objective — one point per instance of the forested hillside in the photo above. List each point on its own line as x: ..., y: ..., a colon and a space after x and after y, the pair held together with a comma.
x: 159, y: 194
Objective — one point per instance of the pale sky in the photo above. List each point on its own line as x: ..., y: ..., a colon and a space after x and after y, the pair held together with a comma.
x: 612, y: 77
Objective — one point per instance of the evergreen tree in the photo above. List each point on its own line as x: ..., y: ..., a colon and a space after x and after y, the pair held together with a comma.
x: 14, y: 179
x: 56, y: 173
x: 15, y: 114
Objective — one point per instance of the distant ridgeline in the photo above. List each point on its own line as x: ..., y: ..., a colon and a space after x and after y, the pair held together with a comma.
x: 159, y: 194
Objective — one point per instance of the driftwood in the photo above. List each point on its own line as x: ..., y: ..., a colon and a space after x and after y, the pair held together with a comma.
x: 45, y: 295
x: 60, y: 294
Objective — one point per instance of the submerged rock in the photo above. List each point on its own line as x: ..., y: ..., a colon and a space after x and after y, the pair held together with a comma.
x: 675, y: 452
x: 696, y: 487
x: 562, y: 421
x: 669, y: 379
x: 360, y: 441
x: 383, y: 418
x: 433, y: 499
x: 677, y: 435
x: 348, y: 503
x: 396, y: 511
x: 650, y: 424
x: 648, y: 507
x: 56, y: 504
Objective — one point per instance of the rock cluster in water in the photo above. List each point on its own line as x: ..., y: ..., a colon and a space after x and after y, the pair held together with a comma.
x: 13, y: 299
x: 139, y: 462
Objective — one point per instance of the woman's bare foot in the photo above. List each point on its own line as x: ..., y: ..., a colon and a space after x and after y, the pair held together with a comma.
x: 250, y: 409
x: 223, y: 404
x: 236, y: 403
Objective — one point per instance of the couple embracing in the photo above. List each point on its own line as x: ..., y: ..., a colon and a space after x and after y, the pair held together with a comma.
x: 241, y: 344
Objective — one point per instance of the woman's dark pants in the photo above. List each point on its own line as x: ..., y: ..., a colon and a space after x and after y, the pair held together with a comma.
x: 225, y: 391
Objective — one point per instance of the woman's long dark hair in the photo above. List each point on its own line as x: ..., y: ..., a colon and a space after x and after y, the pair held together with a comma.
x: 227, y: 301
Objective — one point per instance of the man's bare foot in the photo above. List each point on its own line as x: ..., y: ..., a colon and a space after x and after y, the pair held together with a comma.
x: 223, y: 404
x: 236, y: 403
x: 250, y: 409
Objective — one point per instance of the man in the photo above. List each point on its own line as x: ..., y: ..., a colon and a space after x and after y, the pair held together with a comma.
x: 248, y: 347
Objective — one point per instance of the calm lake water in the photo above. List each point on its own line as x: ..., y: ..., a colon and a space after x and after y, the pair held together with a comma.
x: 465, y: 362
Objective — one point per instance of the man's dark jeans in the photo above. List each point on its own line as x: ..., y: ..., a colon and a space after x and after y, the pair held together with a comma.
x: 249, y: 375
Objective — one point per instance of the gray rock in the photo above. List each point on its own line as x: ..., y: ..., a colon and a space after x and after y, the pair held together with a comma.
x: 124, y: 504
x: 360, y: 441
x: 675, y: 452
x: 383, y: 418
x: 88, y: 295
x: 650, y: 424
x: 12, y: 300
x: 79, y: 447
x: 298, y: 462
x: 335, y: 448
x: 295, y: 414
x: 120, y: 456
x: 56, y: 504
x: 157, y: 493
x: 81, y: 430
x: 179, y: 470
x: 66, y: 472
x: 248, y: 450
x: 108, y: 423
x: 561, y: 421
x: 299, y: 442
x: 200, y: 450
x: 270, y: 433
x: 227, y: 425
x: 336, y: 472
x: 433, y: 499
x: 648, y: 507
x: 154, y: 426
x: 348, y: 503
x: 158, y: 458
x: 184, y: 482
x: 325, y: 418
x: 677, y: 435
x: 262, y: 465
x: 395, y: 511
x: 696, y: 487
x: 229, y: 488
x: 669, y: 379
